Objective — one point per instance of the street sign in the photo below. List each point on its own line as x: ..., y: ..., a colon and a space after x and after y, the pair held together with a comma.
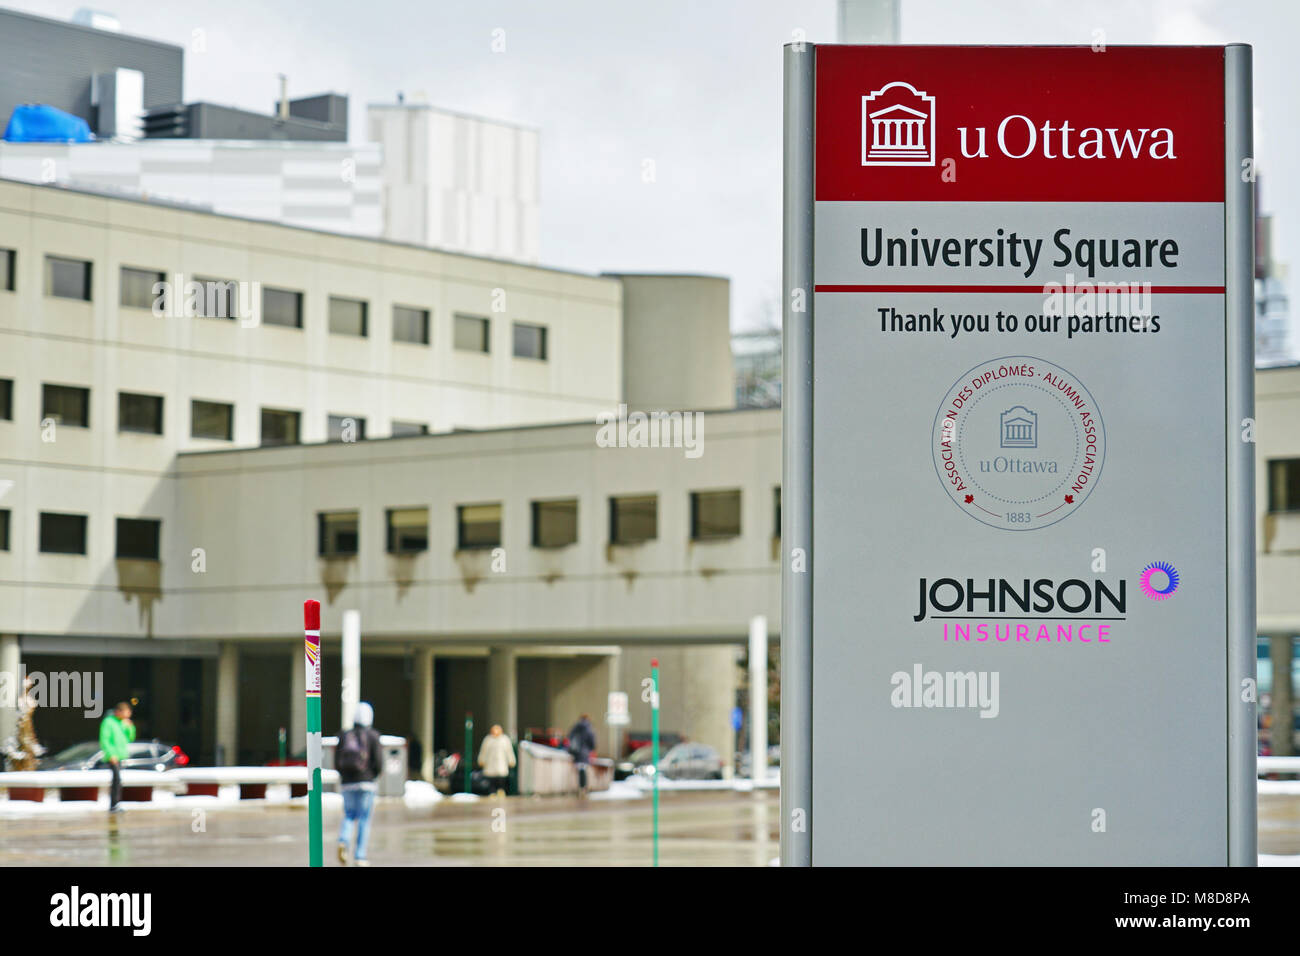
x: 616, y: 709
x: 1018, y: 582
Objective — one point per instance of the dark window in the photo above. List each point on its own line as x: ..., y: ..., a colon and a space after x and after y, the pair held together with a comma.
x: 402, y: 429
x: 214, y: 298
x: 281, y: 307
x: 8, y: 260
x: 67, y: 278
x: 280, y: 427
x: 139, y: 413
x: 478, y: 526
x: 410, y: 325
x: 4, y: 529
x: 137, y: 288
x: 338, y: 533
x: 212, y: 420
x: 6, y: 399
x: 715, y: 514
x: 66, y: 404
x: 470, y: 334
x: 555, y: 523
x: 776, y: 528
x: 530, y: 341
x: 347, y: 316
x: 138, y: 538
x: 633, y: 519
x: 63, y: 534
x: 1284, y: 484
x: 408, y: 530
x: 347, y: 428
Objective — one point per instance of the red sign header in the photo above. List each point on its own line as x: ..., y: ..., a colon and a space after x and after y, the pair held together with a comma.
x: 1007, y: 124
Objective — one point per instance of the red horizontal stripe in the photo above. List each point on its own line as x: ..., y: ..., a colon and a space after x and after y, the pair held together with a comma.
x: 1040, y: 290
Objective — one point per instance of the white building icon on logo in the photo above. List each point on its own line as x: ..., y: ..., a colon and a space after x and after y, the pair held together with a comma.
x: 900, y: 120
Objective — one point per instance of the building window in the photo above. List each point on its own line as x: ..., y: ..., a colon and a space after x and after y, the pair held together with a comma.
x: 63, y: 534
x: 139, y: 413
x: 555, y: 523
x: 408, y: 530
x: 633, y: 519
x: 4, y: 529
x: 67, y: 278
x: 6, y: 399
x: 347, y: 316
x: 410, y: 325
x: 403, y: 429
x: 715, y: 514
x: 281, y: 307
x: 280, y: 427
x: 66, y: 404
x: 1284, y: 484
x: 8, y: 261
x: 471, y: 334
x: 212, y: 420
x: 478, y: 526
x: 138, y: 538
x: 338, y: 533
x: 347, y: 428
x: 530, y: 341
x: 776, y: 527
x: 217, y: 299
x: 137, y: 287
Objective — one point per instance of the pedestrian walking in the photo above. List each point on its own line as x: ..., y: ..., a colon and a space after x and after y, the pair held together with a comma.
x: 116, y: 733
x: 496, y: 755
x: 359, y: 760
x: 582, y: 744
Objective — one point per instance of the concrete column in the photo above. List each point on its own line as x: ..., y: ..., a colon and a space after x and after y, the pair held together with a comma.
x: 707, y: 694
x: 228, y: 704
x: 422, y: 709
x: 297, y: 742
x: 1282, y: 704
x: 351, y: 687
x: 11, y: 668
x: 614, y: 748
x: 503, y: 694
x: 758, y: 697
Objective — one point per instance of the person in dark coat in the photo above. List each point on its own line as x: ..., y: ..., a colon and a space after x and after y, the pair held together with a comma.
x: 582, y: 744
x: 359, y: 760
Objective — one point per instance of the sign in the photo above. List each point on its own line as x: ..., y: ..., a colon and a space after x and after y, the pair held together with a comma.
x: 1019, y: 341
x: 616, y: 714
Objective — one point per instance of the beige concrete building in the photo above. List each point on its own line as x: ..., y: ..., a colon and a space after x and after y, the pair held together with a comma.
x: 149, y: 531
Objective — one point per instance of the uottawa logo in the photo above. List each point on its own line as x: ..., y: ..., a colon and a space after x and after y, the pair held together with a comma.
x: 898, y: 126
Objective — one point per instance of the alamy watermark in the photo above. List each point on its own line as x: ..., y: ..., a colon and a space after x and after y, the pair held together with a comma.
x: 49, y: 691
x: 624, y: 429
x: 177, y: 298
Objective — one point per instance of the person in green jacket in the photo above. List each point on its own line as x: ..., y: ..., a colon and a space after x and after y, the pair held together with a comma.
x: 116, y: 732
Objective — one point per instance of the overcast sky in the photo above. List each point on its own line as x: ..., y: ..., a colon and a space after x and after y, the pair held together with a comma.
x: 694, y: 85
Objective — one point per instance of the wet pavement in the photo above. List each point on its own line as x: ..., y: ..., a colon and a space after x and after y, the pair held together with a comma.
x: 696, y: 829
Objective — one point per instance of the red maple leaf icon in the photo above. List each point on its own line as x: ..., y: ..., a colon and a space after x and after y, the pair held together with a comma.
x: 1069, y: 499
x: 969, y: 499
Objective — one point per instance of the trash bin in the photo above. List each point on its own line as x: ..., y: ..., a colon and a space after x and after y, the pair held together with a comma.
x: 392, y: 777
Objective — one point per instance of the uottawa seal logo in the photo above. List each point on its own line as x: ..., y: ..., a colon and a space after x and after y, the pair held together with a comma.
x: 1018, y: 443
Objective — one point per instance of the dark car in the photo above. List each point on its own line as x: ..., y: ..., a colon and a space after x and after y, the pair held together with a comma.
x: 141, y: 755
x: 632, y: 763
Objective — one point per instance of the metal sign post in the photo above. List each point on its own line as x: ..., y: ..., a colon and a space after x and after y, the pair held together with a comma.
x: 1018, y: 471
x: 311, y: 628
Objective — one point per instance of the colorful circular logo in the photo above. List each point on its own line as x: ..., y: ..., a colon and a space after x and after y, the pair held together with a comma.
x: 1018, y: 443
x: 1151, y: 576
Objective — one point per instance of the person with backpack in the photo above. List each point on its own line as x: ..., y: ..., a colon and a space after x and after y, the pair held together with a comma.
x: 359, y: 760
x: 582, y: 743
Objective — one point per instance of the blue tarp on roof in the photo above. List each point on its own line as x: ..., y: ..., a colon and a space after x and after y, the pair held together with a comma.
x: 37, y: 123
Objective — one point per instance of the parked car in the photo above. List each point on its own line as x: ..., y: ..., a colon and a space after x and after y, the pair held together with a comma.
x: 632, y: 763
x: 688, y: 762
x: 141, y: 755
x: 743, y: 760
x: 636, y: 739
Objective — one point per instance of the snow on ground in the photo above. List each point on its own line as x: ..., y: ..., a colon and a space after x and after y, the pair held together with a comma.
x: 419, y: 793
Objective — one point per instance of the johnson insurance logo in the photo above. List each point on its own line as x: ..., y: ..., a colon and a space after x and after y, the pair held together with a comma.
x: 898, y: 126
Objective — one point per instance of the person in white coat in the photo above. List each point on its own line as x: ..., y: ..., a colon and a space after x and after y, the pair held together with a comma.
x: 496, y: 755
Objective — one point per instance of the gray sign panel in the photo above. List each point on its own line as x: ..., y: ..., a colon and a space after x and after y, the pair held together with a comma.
x: 1018, y: 591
